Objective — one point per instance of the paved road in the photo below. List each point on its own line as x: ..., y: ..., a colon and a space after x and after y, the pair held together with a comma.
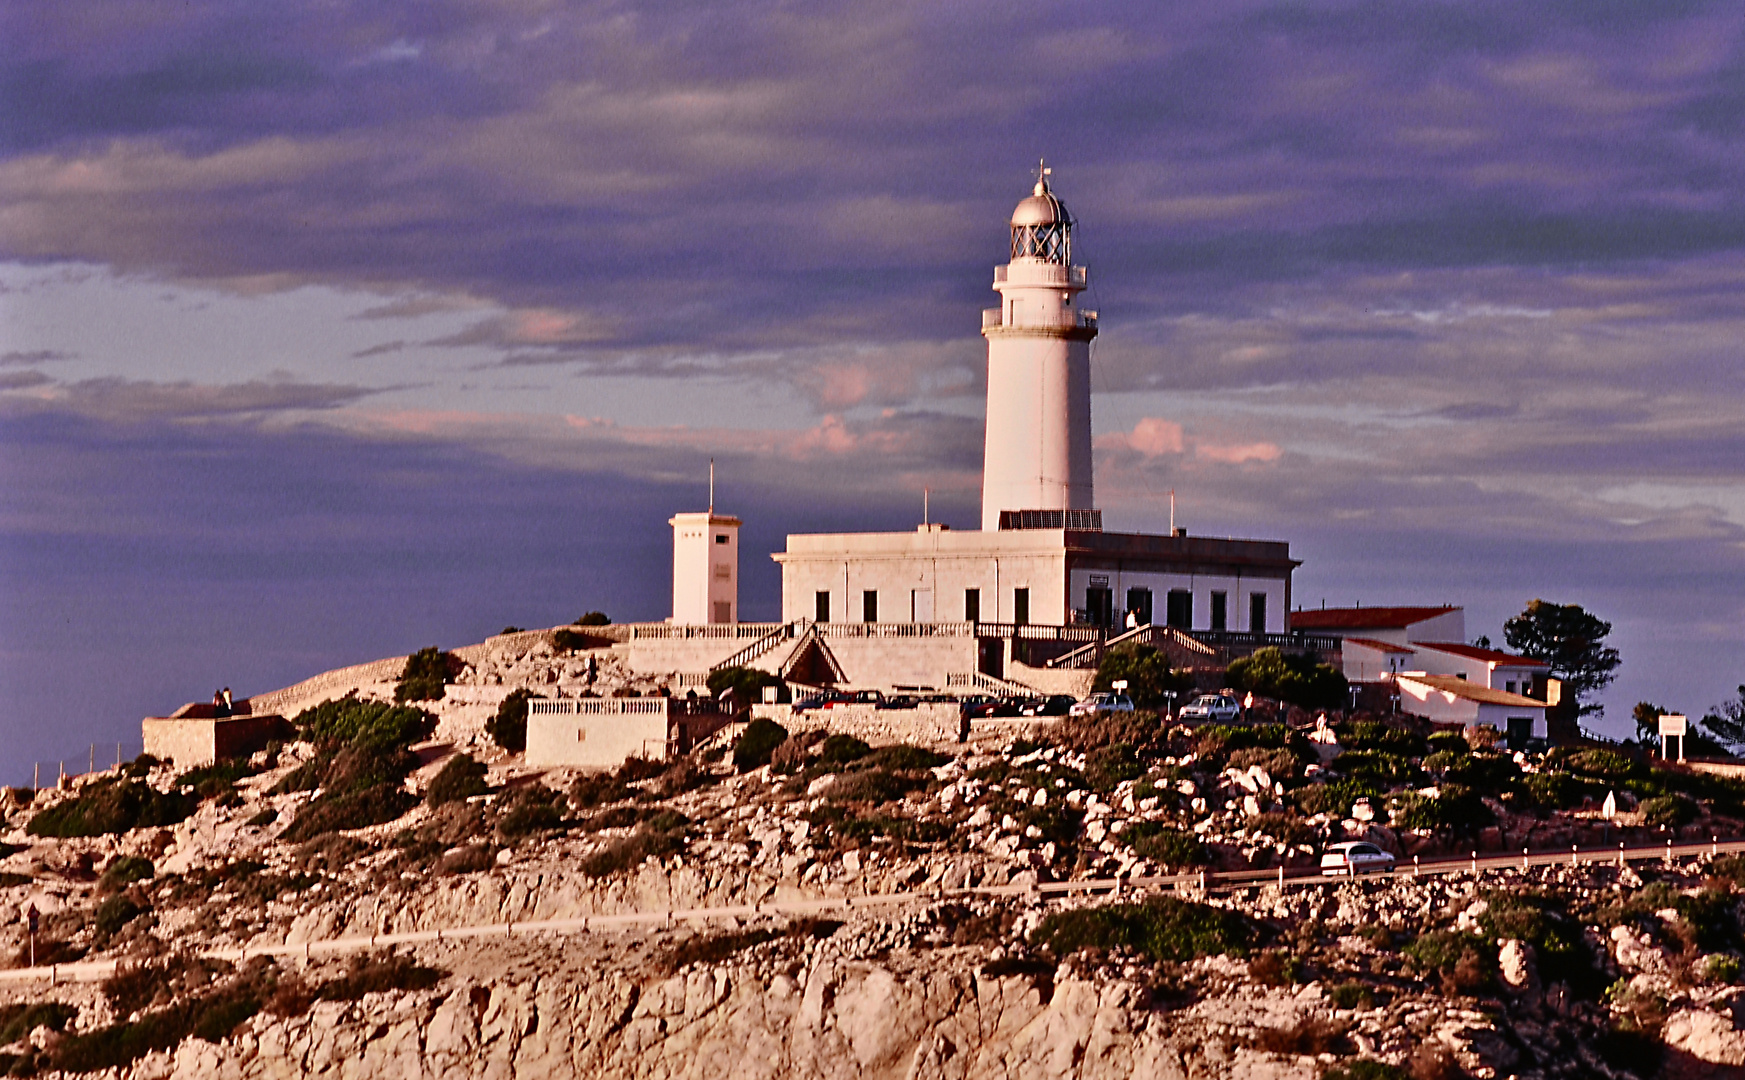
x: 1248, y: 879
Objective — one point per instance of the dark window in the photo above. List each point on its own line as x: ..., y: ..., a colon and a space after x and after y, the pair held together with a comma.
x: 721, y: 538
x: 1139, y: 603
x: 869, y: 606
x: 1181, y: 609
x: 1257, y: 613
x: 821, y: 607
x: 1220, y: 611
x: 1021, y: 606
x: 972, y: 605
x: 1100, y: 606
x: 1520, y: 732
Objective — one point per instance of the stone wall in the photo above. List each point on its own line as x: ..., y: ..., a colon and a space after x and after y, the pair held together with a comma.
x: 190, y: 742
x: 929, y: 723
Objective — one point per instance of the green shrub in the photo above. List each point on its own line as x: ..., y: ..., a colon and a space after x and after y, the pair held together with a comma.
x: 530, y: 809
x: 374, y: 975
x: 594, y: 618
x: 1605, y: 764
x: 112, y: 806
x: 426, y: 675
x: 901, y: 757
x: 1162, y: 928
x: 1352, y: 994
x: 839, y: 750
x: 1161, y: 844
x: 1384, y: 768
x: 1108, y: 767
x: 123, y: 871
x: 1291, y: 677
x: 460, y: 779
x: 639, y: 768
x: 358, y: 809
x: 598, y: 789
x: 757, y: 743
x: 1335, y: 797
x: 1366, y: 1069
x: 264, y: 818
x: 1455, y: 809
x: 1310, y: 1036
x: 1279, y: 762
x: 1721, y: 968
x: 1276, y: 967
x: 1465, y: 962
x: 114, y: 913
x: 216, y: 780
x: 364, y: 723
x: 1558, y: 790
x: 650, y: 841
x: 570, y: 641
x: 1670, y: 811
x: 18, y: 1021
x: 746, y: 685
x: 8, y: 879
x: 873, y: 786
x: 1147, y: 672
x: 508, y: 728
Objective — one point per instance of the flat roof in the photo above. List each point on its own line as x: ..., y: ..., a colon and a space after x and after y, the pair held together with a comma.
x: 1087, y: 547
x: 1365, y: 618
x: 1489, y: 656
x: 1471, y: 691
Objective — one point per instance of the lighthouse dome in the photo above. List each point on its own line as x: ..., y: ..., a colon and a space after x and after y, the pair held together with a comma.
x: 1041, y: 226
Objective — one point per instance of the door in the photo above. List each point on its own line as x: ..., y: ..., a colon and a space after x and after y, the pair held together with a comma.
x: 1100, y: 606
x: 1181, y: 609
x: 1520, y: 732
x: 869, y: 606
x: 1257, y: 613
x: 920, y: 605
x: 972, y: 605
x: 1139, y: 603
x: 821, y: 606
x: 1220, y: 611
x: 1021, y: 606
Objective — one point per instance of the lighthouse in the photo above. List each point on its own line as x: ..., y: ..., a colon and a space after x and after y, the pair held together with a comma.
x: 1036, y: 467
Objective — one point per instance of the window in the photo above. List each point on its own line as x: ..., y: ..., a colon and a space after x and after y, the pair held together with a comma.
x: 723, y: 571
x: 869, y: 606
x: 1220, y: 611
x: 1257, y: 613
x: 1139, y: 604
x: 1181, y: 609
x: 921, y: 605
x: 1021, y: 606
x: 972, y: 605
x: 1510, y: 686
x: 821, y: 606
x: 720, y: 538
x: 723, y: 611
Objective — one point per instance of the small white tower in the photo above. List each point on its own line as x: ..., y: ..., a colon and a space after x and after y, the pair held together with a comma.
x: 705, y: 565
x: 1038, y: 452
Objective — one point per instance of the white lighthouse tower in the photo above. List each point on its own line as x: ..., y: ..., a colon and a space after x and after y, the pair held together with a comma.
x: 1037, y: 465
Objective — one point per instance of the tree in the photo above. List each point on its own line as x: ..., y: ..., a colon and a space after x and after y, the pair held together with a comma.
x: 1147, y: 673
x: 1726, y: 722
x: 746, y: 685
x: 508, y: 728
x: 594, y: 618
x: 1571, y: 642
x: 1647, y: 717
x: 1292, y: 677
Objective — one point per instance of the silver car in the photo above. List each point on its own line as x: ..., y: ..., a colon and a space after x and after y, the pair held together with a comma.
x: 1102, y: 703
x: 1217, y: 707
x: 1354, y: 857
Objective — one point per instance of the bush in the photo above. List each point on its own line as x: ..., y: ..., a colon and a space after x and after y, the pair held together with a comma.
x: 114, y: 913
x: 839, y: 750
x: 426, y: 675
x: 871, y: 786
x: 1147, y: 673
x: 1352, y: 994
x: 461, y: 779
x: 1279, y: 763
x: 650, y: 841
x: 532, y: 809
x: 18, y: 1021
x: 1108, y: 767
x: 746, y: 685
x: 375, y: 805
x: 570, y: 641
x: 1669, y: 811
x: 1464, y: 961
x: 1455, y: 809
x: 757, y: 743
x: 372, y: 975
x: 1162, y: 928
x: 508, y: 728
x: 123, y: 871
x: 1721, y: 968
x: 112, y: 806
x: 1604, y: 764
x: 468, y: 860
x: 1309, y: 1037
x: 598, y: 789
x: 1171, y: 847
x: 364, y: 723
x: 594, y: 618
x: 1276, y: 967
x: 1291, y: 677
x: 901, y: 757
x: 217, y: 779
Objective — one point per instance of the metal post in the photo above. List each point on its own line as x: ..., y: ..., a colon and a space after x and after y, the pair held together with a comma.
x: 1281, y: 877
x: 1620, y: 853
x: 93, y: 767
x: 1669, y: 851
x: 1575, y: 855
x: 1475, y: 866
x: 1415, y: 867
x: 1523, y: 860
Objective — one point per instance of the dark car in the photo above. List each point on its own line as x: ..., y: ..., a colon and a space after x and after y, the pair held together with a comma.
x: 1052, y: 705
x: 900, y: 701
x: 821, y: 700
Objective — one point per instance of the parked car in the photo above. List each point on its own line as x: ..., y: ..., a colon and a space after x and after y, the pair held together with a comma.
x: 1100, y: 703
x: 1052, y: 705
x: 900, y: 701
x: 857, y: 697
x: 992, y: 707
x: 1211, y: 707
x: 1354, y: 857
x: 822, y: 700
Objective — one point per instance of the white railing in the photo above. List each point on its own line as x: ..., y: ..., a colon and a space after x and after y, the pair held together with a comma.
x: 710, y: 631
x: 895, y: 630
x: 978, y: 680
x: 1043, y: 274
x: 657, y: 706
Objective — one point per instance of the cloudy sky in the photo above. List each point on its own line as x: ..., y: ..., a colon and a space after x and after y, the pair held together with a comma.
x: 328, y: 331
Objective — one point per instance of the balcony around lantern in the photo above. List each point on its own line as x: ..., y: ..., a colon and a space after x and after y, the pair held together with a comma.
x: 1035, y: 272
x: 1069, y: 318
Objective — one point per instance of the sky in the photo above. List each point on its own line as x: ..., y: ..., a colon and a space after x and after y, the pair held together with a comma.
x: 331, y: 331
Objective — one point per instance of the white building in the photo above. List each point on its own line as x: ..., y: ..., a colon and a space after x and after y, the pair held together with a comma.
x: 1041, y: 557
x: 1392, y: 625
x: 1447, y: 699
x: 705, y: 568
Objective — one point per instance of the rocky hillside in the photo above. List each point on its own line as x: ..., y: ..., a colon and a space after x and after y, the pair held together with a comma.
x: 387, y: 818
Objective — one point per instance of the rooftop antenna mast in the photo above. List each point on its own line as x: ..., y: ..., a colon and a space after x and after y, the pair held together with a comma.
x: 711, y: 487
x: 925, y: 519
x: 1172, y: 511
